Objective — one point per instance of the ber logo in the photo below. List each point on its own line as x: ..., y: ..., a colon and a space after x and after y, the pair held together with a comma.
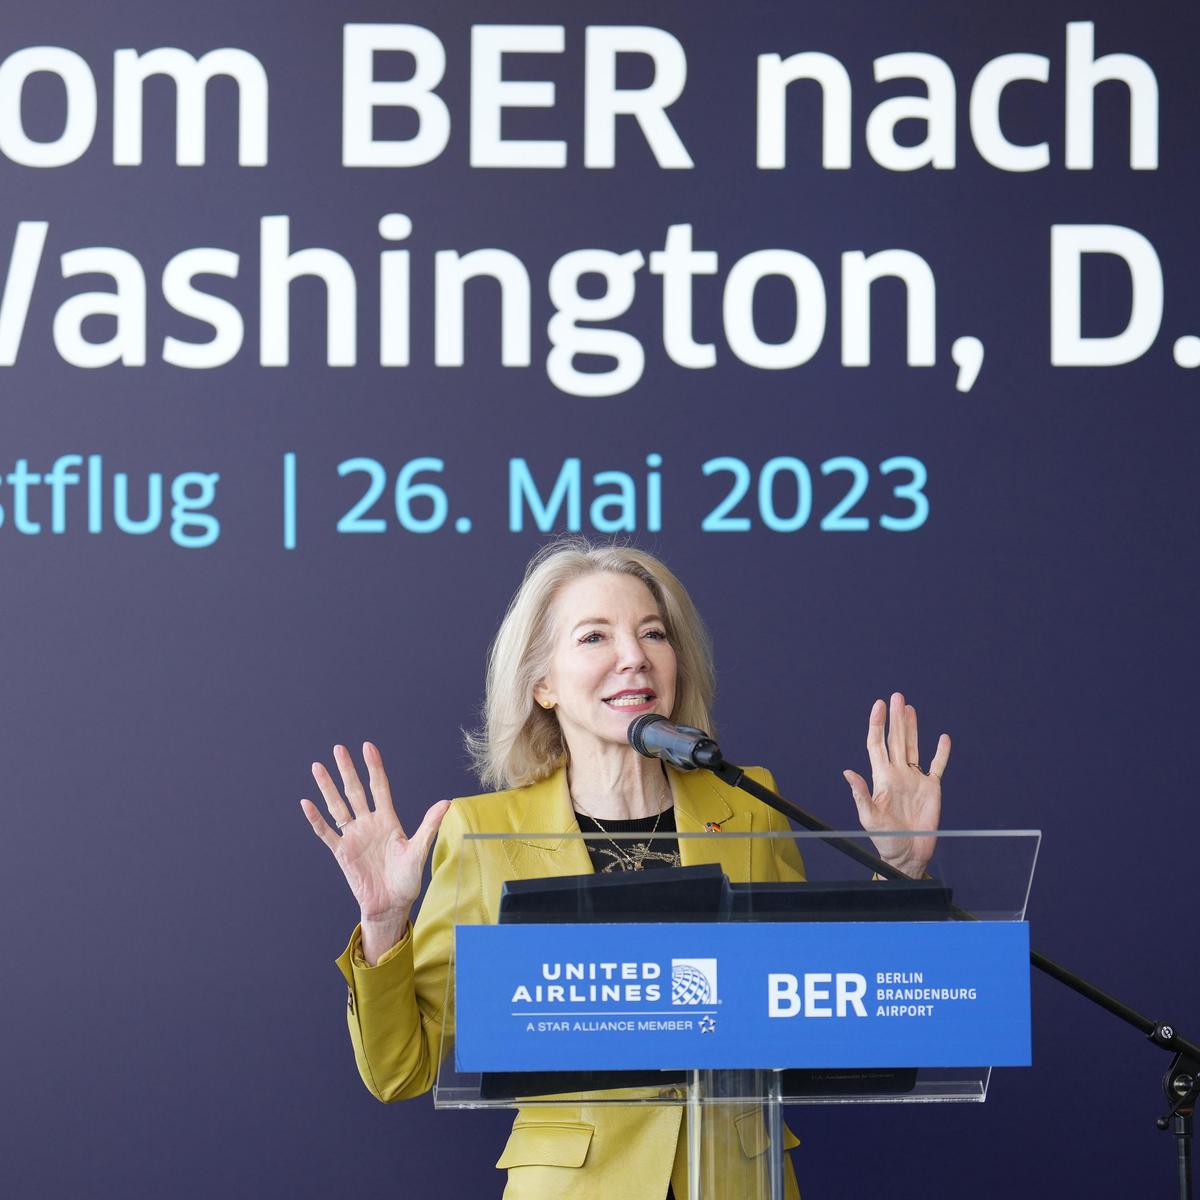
x: 693, y: 981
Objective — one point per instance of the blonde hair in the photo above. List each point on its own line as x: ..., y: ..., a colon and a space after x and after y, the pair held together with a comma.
x: 520, y: 742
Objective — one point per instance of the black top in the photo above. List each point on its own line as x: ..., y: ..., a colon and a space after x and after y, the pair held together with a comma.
x: 632, y: 855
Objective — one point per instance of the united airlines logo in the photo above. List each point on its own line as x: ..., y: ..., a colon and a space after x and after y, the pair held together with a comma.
x: 693, y: 981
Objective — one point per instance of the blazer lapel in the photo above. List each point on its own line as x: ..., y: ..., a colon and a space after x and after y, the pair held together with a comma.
x: 702, y: 801
x: 545, y: 808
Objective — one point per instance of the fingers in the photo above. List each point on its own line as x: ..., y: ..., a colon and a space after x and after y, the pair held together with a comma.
x: 895, y: 735
x: 912, y: 749
x: 941, y: 757
x: 381, y: 791
x: 319, y: 825
x: 876, y: 750
x: 859, y: 792
x: 351, y: 784
x: 334, y: 803
x: 427, y: 830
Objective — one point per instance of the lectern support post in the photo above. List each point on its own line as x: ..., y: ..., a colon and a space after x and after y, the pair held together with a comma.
x: 708, y: 1150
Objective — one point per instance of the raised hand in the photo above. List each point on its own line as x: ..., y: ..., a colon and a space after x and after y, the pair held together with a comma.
x: 382, y: 865
x: 901, y: 795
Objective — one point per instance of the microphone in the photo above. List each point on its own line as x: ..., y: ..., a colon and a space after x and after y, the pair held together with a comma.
x: 680, y: 745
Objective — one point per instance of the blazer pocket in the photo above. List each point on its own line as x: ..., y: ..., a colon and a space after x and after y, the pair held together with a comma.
x: 752, y: 1133
x: 544, y: 1144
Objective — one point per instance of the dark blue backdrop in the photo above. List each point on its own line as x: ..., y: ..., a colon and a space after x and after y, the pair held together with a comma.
x: 173, y: 1019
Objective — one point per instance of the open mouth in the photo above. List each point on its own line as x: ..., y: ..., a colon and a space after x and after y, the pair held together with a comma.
x: 631, y: 700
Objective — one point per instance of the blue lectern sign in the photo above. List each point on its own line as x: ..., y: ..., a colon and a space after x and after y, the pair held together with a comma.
x: 568, y: 997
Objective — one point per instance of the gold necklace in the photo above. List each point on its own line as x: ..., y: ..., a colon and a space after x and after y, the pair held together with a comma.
x: 626, y: 859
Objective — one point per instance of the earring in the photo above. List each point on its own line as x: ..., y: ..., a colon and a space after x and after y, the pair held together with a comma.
x: 546, y: 705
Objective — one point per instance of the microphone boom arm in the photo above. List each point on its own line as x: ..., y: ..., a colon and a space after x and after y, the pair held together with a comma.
x: 1181, y: 1083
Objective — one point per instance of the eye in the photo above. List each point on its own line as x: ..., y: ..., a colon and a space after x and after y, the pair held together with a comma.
x: 659, y: 635
x: 590, y: 639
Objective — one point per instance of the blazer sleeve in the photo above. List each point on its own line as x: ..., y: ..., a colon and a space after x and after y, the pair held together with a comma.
x: 398, y: 1010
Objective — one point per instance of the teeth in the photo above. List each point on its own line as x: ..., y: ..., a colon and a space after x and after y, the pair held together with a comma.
x: 627, y: 701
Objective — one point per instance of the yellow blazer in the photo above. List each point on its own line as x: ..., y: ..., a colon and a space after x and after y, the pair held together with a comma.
x: 397, y: 1010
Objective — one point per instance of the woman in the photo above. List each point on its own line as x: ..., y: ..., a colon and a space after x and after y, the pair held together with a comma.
x: 594, y: 637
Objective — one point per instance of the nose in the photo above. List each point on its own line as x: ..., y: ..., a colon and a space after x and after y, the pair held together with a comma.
x: 631, y: 653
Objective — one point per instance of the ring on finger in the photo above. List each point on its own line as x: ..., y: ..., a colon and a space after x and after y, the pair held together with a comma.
x: 343, y: 824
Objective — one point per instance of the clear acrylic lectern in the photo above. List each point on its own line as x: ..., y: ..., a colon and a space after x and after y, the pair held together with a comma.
x: 735, y: 1133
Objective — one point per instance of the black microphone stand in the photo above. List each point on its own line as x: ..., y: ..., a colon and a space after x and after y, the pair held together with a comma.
x: 1181, y: 1083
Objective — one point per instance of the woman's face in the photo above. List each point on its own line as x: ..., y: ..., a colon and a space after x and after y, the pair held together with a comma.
x: 611, y: 662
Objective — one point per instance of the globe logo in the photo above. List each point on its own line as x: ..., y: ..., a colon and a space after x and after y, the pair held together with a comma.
x: 693, y: 981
